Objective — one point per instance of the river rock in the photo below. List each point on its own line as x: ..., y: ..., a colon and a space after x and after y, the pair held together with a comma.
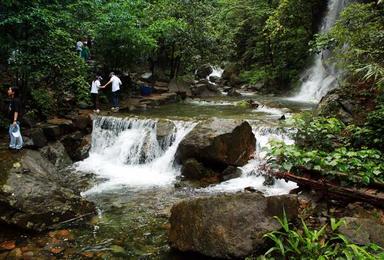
x: 73, y: 144
x: 164, y: 132
x: 37, y: 138
x: 194, y: 170
x: 214, y: 79
x: 205, y: 89
x: 227, y: 226
x: 56, y: 154
x: 181, y: 87
x: 32, y: 198
x: 363, y: 231
x: 218, y: 143
x: 234, y: 93
x: 204, y: 71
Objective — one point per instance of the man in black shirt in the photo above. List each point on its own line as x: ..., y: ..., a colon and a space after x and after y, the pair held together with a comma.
x: 14, y: 113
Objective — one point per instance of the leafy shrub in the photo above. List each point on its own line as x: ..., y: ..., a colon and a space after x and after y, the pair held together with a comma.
x: 292, y: 243
x: 43, y: 100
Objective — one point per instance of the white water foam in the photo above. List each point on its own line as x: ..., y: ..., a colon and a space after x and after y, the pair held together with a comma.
x: 216, y: 72
x: 321, y: 78
x: 127, y: 154
x: 251, y: 172
x: 200, y: 102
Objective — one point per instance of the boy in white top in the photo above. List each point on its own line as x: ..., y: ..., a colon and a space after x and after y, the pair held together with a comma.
x: 79, y: 47
x: 116, y: 83
x: 95, y: 93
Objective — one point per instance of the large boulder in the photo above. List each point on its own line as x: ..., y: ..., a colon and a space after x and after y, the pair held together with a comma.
x: 218, y: 143
x: 227, y: 226
x: 205, y: 89
x: 32, y: 197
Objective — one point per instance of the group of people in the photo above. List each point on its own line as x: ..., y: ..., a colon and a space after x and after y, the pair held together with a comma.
x: 96, y: 86
x: 82, y: 50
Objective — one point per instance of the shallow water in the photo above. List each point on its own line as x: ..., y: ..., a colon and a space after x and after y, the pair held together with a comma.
x: 134, y: 197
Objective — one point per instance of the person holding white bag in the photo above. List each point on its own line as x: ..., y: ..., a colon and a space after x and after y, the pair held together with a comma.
x: 14, y: 114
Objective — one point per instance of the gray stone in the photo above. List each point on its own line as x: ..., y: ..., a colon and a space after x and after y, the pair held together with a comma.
x: 204, y: 71
x: 218, y: 143
x: 363, y: 231
x: 32, y: 197
x: 195, y: 170
x: 227, y: 226
x: 38, y: 138
x: 57, y: 155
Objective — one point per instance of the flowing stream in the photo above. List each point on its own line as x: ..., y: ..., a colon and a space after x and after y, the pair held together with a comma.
x: 321, y: 77
x: 137, y: 172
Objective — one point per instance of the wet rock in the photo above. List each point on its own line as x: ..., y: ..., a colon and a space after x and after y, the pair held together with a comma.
x: 82, y: 122
x: 218, y: 143
x: 192, y: 169
x: 227, y: 226
x: 363, y: 231
x: 57, y: 155
x: 268, y: 180
x: 73, y: 144
x: 234, y: 93
x: 204, y: 71
x: 205, y: 89
x: 51, y: 132
x: 31, y: 196
x: 214, y: 79
x: 66, y: 126
x: 37, y: 137
x: 231, y: 172
x: 164, y: 133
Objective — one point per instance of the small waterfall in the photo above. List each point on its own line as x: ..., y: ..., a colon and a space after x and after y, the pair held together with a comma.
x: 251, y: 172
x: 126, y: 152
x: 319, y: 79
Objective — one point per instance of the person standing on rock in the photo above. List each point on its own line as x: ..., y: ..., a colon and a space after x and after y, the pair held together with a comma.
x: 95, y: 93
x: 14, y: 114
x: 116, y: 83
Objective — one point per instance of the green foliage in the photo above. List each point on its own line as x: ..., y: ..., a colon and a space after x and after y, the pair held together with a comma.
x: 43, y: 100
x: 346, y: 153
x: 305, y: 243
x: 361, y: 28
x: 269, y: 38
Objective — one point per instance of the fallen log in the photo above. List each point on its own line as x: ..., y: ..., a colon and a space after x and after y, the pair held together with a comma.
x: 369, y: 195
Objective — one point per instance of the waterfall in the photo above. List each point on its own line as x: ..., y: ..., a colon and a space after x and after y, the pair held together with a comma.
x: 320, y: 78
x: 252, y: 171
x: 126, y: 152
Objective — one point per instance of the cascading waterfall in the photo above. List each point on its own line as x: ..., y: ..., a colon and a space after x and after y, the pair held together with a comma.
x: 251, y: 172
x: 126, y: 153
x: 321, y: 78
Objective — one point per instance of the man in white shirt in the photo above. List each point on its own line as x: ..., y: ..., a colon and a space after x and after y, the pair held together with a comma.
x: 95, y: 93
x: 116, y: 83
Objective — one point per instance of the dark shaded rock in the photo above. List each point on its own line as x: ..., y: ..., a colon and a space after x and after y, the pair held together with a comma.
x: 82, y: 122
x: 363, y: 231
x: 204, y: 71
x: 231, y: 172
x: 282, y: 117
x: 57, y: 155
x: 205, y: 89
x: 218, y: 143
x: 234, y: 93
x: 85, y: 146
x: 51, y: 132
x: 38, y: 138
x: 227, y: 226
x: 195, y: 170
x: 72, y: 143
x: 181, y: 87
x: 32, y: 198
x: 66, y: 125
x: 268, y: 180
x: 214, y: 79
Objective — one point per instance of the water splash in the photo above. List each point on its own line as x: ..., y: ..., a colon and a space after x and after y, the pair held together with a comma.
x: 321, y: 77
x: 126, y: 152
x: 252, y: 171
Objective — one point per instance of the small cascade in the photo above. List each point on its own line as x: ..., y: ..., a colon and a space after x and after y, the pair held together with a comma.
x: 252, y: 171
x: 126, y: 152
x: 216, y: 72
x: 319, y: 79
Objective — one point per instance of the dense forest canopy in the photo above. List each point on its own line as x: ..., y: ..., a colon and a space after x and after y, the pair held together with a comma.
x: 266, y: 41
